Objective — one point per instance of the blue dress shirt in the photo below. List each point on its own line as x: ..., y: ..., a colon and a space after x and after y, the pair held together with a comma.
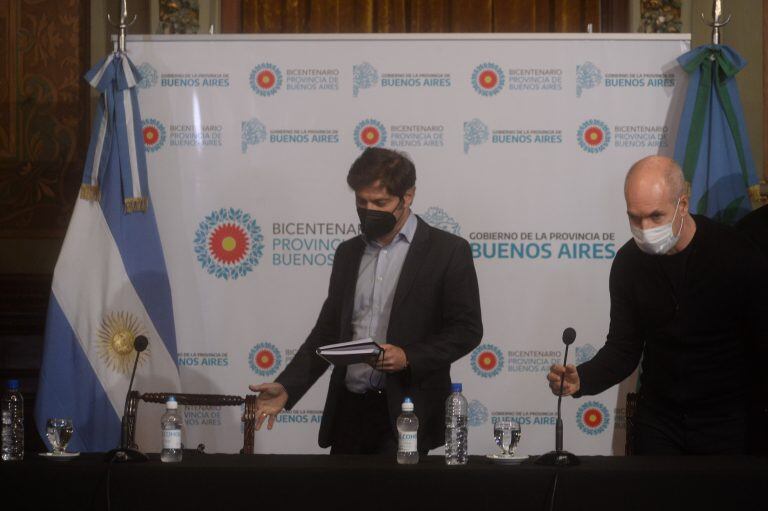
x: 376, y: 283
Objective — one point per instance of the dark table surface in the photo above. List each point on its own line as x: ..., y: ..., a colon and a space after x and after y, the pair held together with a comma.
x: 221, y: 481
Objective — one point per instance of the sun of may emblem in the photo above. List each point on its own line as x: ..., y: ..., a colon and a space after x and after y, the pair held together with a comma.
x: 115, y: 340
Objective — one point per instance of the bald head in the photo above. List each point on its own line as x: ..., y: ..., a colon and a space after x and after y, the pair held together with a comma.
x: 655, y: 177
x: 655, y: 192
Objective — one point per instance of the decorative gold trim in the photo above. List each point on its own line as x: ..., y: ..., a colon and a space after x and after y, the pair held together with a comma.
x: 754, y: 193
x: 90, y: 192
x: 135, y: 204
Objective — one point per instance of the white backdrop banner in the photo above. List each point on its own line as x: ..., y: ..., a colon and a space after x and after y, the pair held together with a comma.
x: 520, y: 144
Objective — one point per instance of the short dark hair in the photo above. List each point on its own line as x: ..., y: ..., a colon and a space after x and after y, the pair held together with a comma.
x: 395, y: 171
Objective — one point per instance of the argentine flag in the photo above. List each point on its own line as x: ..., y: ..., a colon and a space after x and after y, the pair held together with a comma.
x: 110, y: 284
x: 712, y: 141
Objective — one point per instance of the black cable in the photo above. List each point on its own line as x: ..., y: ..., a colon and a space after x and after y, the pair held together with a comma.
x: 109, y: 473
x: 554, y: 491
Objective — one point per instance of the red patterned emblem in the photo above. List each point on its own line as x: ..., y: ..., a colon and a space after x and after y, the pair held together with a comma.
x: 264, y: 359
x: 151, y: 135
x: 229, y: 243
x: 487, y: 360
x: 593, y: 136
x: 592, y: 417
x: 370, y: 135
x: 266, y: 79
x: 488, y: 79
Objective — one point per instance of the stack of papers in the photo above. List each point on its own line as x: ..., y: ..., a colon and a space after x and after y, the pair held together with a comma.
x: 362, y: 351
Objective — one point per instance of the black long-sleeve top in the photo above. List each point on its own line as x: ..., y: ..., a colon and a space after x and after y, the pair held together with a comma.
x: 698, y: 318
x: 755, y: 227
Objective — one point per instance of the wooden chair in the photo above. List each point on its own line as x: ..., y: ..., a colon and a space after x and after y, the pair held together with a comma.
x: 630, y: 410
x: 249, y: 414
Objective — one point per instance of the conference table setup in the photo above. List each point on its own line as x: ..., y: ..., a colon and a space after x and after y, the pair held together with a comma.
x: 221, y: 481
x: 246, y: 266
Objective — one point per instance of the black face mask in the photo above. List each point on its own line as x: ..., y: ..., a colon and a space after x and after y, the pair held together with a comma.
x: 376, y: 224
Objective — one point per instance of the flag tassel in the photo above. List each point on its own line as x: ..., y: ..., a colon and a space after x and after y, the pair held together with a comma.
x: 136, y: 204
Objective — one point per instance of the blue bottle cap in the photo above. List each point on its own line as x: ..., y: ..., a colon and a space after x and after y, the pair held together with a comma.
x: 12, y: 385
x: 407, y: 400
x: 171, y: 398
x: 455, y: 387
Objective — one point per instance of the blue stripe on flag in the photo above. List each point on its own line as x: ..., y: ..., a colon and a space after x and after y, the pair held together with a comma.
x: 122, y: 145
x: 68, y: 387
x: 139, y: 244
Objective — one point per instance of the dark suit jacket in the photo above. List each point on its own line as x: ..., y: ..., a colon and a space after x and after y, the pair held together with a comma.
x: 435, y: 318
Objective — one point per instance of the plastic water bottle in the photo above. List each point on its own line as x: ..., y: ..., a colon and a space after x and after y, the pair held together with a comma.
x: 12, y: 410
x: 171, y: 423
x: 456, y: 409
x: 407, y: 433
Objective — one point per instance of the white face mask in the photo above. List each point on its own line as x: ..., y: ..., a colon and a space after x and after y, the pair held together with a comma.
x: 658, y: 240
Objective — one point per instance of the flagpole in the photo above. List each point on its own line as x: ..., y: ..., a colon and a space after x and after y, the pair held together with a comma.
x: 122, y: 25
x: 717, y: 22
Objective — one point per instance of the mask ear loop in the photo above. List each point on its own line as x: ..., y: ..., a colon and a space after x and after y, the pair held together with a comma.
x: 682, y: 218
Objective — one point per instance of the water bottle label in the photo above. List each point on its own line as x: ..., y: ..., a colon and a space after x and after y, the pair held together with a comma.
x: 407, y: 442
x: 171, y: 439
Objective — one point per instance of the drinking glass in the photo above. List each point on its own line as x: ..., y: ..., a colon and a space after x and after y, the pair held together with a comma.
x: 59, y: 431
x: 506, y: 433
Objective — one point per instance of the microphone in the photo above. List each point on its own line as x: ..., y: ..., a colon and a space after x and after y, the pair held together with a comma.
x: 559, y: 456
x: 141, y: 342
x: 124, y: 452
x: 569, y: 335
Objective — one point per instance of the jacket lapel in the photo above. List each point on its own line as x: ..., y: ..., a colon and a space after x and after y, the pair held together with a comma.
x: 416, y: 255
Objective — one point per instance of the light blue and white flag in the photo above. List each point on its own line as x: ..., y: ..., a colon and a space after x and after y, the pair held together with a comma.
x: 110, y: 283
x: 712, y: 141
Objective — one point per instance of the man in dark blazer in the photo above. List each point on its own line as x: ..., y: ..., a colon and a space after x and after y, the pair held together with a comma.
x: 410, y: 287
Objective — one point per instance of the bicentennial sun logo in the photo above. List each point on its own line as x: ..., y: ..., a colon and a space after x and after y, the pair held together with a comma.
x: 266, y: 79
x: 594, y: 136
x: 370, y: 133
x: 488, y: 79
x: 592, y: 418
x: 229, y: 243
x: 265, y: 359
x: 487, y: 360
x: 153, y: 133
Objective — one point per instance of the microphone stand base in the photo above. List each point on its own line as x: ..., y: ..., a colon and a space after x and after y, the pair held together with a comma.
x: 558, y: 458
x: 122, y: 455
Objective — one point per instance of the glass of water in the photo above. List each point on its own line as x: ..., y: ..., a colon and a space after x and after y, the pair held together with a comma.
x: 59, y: 431
x: 506, y: 433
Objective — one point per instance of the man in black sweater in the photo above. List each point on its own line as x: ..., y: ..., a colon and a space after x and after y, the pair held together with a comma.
x: 687, y: 295
x: 755, y: 227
